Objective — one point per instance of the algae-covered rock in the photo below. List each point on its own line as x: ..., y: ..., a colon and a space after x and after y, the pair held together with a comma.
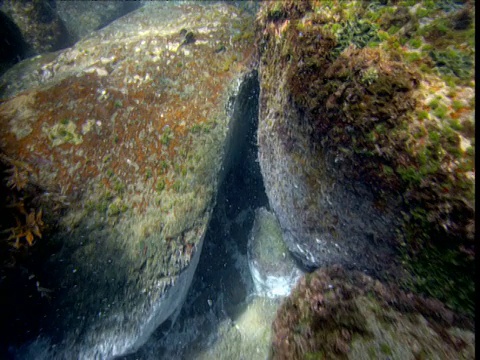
x: 336, y: 314
x: 366, y: 139
x: 273, y: 269
x: 81, y: 17
x: 114, y: 148
x: 40, y: 26
x: 247, y: 337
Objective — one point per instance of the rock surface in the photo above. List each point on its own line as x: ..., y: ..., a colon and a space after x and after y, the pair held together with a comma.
x: 366, y: 140
x: 81, y: 17
x: 273, y: 269
x: 114, y: 148
x: 337, y: 314
x: 41, y: 27
x: 248, y: 337
x: 326, y: 216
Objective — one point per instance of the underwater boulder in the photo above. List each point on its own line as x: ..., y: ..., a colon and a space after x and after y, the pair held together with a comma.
x: 114, y: 150
x: 273, y: 269
x: 366, y: 141
x: 337, y: 314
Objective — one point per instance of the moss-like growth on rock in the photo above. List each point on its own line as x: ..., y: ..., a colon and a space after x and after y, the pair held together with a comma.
x: 63, y: 132
x: 371, y: 104
x: 334, y: 314
x: 281, y: 10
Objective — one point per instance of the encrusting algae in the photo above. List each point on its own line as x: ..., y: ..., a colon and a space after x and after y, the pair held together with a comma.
x: 387, y: 89
x: 336, y: 314
x: 125, y: 135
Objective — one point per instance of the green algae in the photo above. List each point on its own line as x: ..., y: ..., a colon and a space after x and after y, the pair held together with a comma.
x: 346, y: 69
x: 63, y: 132
x: 359, y: 33
x: 453, y: 63
x: 433, y: 268
x: 337, y: 314
x: 229, y: 61
x: 160, y: 185
x: 116, y: 207
x: 167, y: 136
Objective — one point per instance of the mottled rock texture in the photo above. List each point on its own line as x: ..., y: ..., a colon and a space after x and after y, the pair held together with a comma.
x: 336, y: 314
x: 366, y: 139
x: 273, y: 269
x: 83, y: 17
x: 113, y: 149
x: 41, y: 27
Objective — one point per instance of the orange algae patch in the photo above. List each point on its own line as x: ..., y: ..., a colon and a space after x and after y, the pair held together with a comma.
x: 458, y: 113
x: 136, y: 125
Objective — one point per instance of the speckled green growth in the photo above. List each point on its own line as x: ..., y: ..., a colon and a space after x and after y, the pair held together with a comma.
x: 64, y: 132
x: 334, y: 314
x: 388, y: 88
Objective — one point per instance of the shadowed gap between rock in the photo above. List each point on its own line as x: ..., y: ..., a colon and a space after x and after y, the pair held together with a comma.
x: 222, y: 282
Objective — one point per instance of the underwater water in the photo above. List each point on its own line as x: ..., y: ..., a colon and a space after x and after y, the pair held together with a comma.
x: 240, y: 293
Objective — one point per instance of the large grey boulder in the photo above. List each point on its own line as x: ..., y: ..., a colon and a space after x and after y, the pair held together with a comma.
x: 326, y: 216
x: 118, y: 144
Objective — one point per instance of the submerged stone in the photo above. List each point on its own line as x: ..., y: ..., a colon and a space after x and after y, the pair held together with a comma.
x: 247, y: 337
x: 273, y: 269
x: 366, y: 141
x: 119, y: 140
x: 336, y: 314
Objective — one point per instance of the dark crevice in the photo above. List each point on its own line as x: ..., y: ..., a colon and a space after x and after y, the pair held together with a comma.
x: 13, y: 47
x: 222, y: 281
